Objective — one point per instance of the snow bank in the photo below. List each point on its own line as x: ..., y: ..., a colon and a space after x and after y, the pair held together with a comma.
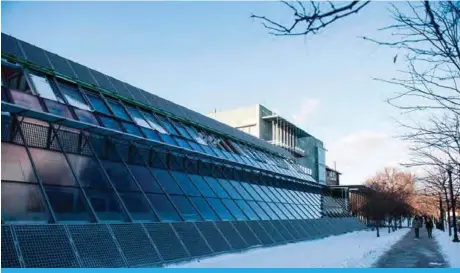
x: 450, y: 250
x: 356, y: 249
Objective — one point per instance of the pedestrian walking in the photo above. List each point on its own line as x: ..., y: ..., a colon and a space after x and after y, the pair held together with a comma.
x: 429, y: 227
x: 416, y: 225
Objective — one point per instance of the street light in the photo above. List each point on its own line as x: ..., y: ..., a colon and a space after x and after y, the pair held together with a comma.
x: 451, y: 189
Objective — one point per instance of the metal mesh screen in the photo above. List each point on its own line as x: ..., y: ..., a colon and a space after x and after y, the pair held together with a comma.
x: 192, y: 239
x: 96, y: 246
x: 260, y: 232
x: 166, y: 240
x: 35, y: 135
x: 45, y: 246
x: 136, y: 245
x: 246, y: 232
x: 232, y: 235
x: 212, y: 235
x: 9, y: 255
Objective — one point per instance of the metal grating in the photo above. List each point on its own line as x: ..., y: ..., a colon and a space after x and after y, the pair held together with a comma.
x: 9, y: 254
x: 260, y: 232
x: 69, y: 141
x: 45, y: 246
x: 246, y: 232
x: 35, y: 55
x: 283, y: 230
x: 212, y: 235
x: 272, y: 232
x: 166, y: 240
x: 232, y: 235
x: 136, y: 245
x: 192, y: 239
x: 34, y: 135
x: 96, y: 246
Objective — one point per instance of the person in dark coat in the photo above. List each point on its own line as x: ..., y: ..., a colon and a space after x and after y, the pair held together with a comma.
x: 429, y: 227
x: 416, y: 225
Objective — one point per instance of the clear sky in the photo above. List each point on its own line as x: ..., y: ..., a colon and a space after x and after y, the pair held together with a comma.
x: 211, y: 55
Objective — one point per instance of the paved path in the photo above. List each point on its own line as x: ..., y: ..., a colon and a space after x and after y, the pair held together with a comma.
x: 409, y: 252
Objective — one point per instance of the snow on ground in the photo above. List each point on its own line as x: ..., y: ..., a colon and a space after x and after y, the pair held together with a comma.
x: 450, y: 250
x: 356, y: 249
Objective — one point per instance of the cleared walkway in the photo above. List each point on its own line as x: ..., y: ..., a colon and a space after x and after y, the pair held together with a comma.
x: 412, y: 253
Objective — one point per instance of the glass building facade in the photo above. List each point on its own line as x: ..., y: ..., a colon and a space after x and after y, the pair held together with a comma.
x: 98, y: 173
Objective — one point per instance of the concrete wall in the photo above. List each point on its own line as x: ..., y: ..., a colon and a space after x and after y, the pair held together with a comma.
x: 241, y: 117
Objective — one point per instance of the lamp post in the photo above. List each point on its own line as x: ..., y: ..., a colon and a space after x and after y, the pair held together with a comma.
x: 451, y: 189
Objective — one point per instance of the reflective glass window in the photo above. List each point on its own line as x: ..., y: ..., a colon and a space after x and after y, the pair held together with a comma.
x: 98, y: 104
x: 236, y: 211
x: 185, y: 208
x: 168, y: 139
x: 196, y: 147
x: 292, y: 197
x: 138, y: 207
x: 68, y: 204
x: 277, y: 210
x: 164, y: 208
x: 88, y: 171
x: 269, y: 193
x: 16, y: 165
x: 145, y: 179
x: 185, y: 183
x: 258, y: 210
x: 305, y: 211
x: 106, y: 205
x: 23, y: 202
x: 43, y: 87
x: 111, y: 123
x: 120, y: 176
x: 86, y: 116
x: 183, y: 132
x: 247, y: 210
x: 229, y: 188
x: 167, y: 181
x: 214, y: 184
x: 57, y: 109
x: 268, y: 210
x: 204, y: 208
x: 237, y: 185
x: 52, y: 167
x: 299, y: 211
x: 166, y: 124
x: 182, y: 143
x: 118, y: 109
x: 132, y: 129
x: 194, y: 134
x: 286, y: 211
x: 154, y: 124
x: 293, y: 211
x: 137, y: 116
x: 221, y: 210
x: 26, y: 100
x: 73, y: 96
x: 251, y: 191
x: 150, y: 134
x: 261, y: 193
x: 202, y: 185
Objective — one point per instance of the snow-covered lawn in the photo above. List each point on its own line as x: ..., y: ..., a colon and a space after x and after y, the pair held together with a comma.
x: 450, y: 250
x: 356, y: 249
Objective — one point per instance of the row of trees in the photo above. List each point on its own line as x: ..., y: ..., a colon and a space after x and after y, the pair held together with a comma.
x: 426, y: 35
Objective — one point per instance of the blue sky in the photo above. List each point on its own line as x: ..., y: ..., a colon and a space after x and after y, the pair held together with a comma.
x: 211, y: 55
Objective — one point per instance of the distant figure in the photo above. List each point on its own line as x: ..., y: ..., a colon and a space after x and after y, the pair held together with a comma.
x: 416, y: 225
x: 429, y: 227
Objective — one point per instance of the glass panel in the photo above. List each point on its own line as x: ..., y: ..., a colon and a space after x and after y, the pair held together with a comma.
x: 258, y: 210
x: 202, y: 186
x: 150, y: 134
x: 220, y: 209
x: 195, y: 147
x: 216, y: 187
x: 88, y: 171
x: 168, y: 139
x: 26, y: 100
x: 138, y: 207
x: 106, y: 205
x: 285, y: 210
x: 145, y: 179
x: 167, y: 125
x: 182, y: 142
x: 73, y: 96
x: 278, y: 211
x: 137, y: 116
x: 227, y: 185
x: 98, y: 104
x: 262, y: 194
x: 15, y: 164
x: 52, y: 167
x: 251, y: 191
x: 120, y: 176
x: 111, y: 123
x: 23, y: 202
x: 43, y: 87
x: 68, y: 204
x: 293, y: 211
x: 118, y: 109
x: 167, y: 181
x: 164, y: 207
x: 194, y: 134
x: 185, y: 208
x: 236, y: 211
x: 185, y: 183
x: 181, y: 130
x: 132, y: 129
x: 86, y: 116
x: 204, y: 208
x: 268, y: 210
x: 58, y: 109
x: 237, y: 185
x: 268, y: 192
x: 277, y: 195
x: 247, y: 210
x: 154, y: 123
